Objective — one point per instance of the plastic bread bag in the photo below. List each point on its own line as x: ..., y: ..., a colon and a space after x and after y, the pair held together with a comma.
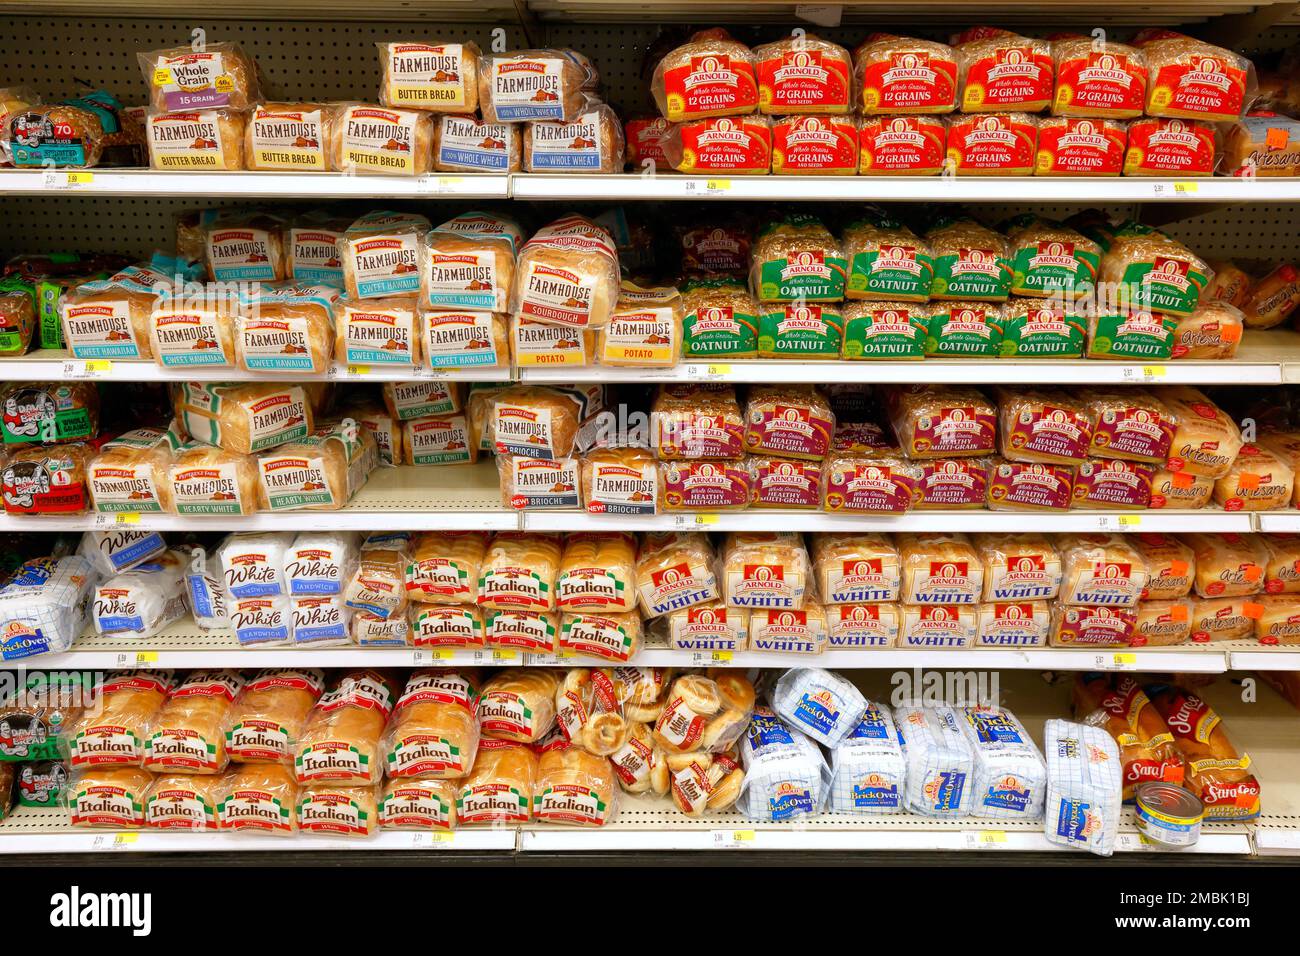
x: 269, y: 715
x: 1278, y: 622
x: 1218, y: 772
x: 645, y: 329
x: 313, y: 245
x: 207, y: 139
x: 947, y: 422
x: 188, y: 734
x: 868, y: 769
x: 1043, y: 328
x: 452, y: 339
x: 1080, y: 147
x: 1092, y: 626
x: 17, y: 315
x: 591, y: 142
x: 620, y: 481
x: 49, y: 413
x: 1144, y: 269
x: 574, y: 787
x: 793, y: 421
x: 378, y: 584
x: 1130, y: 423
x: 1231, y: 284
x: 320, y: 620
x: 108, y: 797
x: 1228, y: 564
x: 819, y: 703
x: 288, y: 328
x: 1121, y: 708
x: 1010, y: 777
x: 709, y: 75
x: 548, y: 84
x: 711, y: 626
x: 675, y: 570
x: 206, y: 480
x: 443, y: 440
x: 1163, y: 623
x: 290, y: 136
x: 1042, y: 425
x: 143, y: 601
x: 423, y: 399
x: 418, y: 805
x: 519, y: 572
x: 109, y: 318
x: 938, y: 626
x: 14, y: 100
x: 320, y: 563
x: 1013, y: 624
x: 1018, y: 567
x: 460, y: 270
x: 533, y: 422
x: 699, y: 782
x: 111, y: 552
x: 954, y: 483
x: 1206, y: 440
x: 788, y: 631
x: 258, y: 798
x: 856, y: 568
x: 115, y: 733
x: 796, y: 259
x: 1224, y: 619
x: 44, y: 604
x: 854, y: 483
x: 182, y: 79
x: 1082, y: 805
x: 447, y: 626
x: 244, y: 419
x: 597, y: 572
x: 130, y: 474
x: 252, y: 563
x: 1282, y: 568
x: 444, y: 567
x: 371, y: 630
x: 386, y: 429
x: 1193, y: 79
x: 538, y: 483
x: 693, y: 422
x: 786, y: 776
x: 181, y: 801
x: 567, y: 274
x: 321, y: 472
x: 815, y: 146
x: 1259, y: 480
x: 1170, y: 565
x: 338, y: 810
x: 1273, y: 298
x: 1002, y: 71
x: 640, y: 764
x: 380, y: 140
x: 381, y: 255
x: 383, y: 332
x: 721, y: 320
x: 940, y: 762
x: 499, y: 792
x: 1100, y: 569
x: 604, y: 635
x: 518, y: 705
x: 1213, y: 331
x: 464, y: 143
x: 939, y: 569
x: 341, y: 739
x: 765, y: 570
x: 440, y: 78
x: 432, y: 733
x: 246, y: 246
x: 199, y: 327
x: 803, y: 74
x: 1098, y: 78
x: 902, y: 146
x: 1051, y: 259
x: 589, y: 712
x: 887, y: 261
x: 992, y: 144
x: 704, y: 713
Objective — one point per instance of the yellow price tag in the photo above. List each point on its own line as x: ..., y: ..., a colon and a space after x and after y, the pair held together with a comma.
x: 718, y: 185
x: 1185, y: 188
x: 986, y: 838
x: 127, y: 517
x: 358, y: 369
x: 722, y: 657
x: 122, y: 839
x: 99, y: 366
x: 504, y: 654
x: 744, y: 836
x: 162, y: 76
x: 1126, y: 660
x: 146, y: 657
x: 1130, y: 521
x: 80, y: 179
x: 706, y: 519
x: 1154, y: 371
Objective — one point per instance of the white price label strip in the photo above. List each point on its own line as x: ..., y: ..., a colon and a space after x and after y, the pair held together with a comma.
x: 734, y: 839
x: 432, y: 839
x: 1133, y: 843
x: 686, y: 522
x: 114, y: 841
x: 720, y: 658
x: 425, y: 656
x: 984, y: 839
x: 56, y: 179
x: 1117, y: 662
x: 89, y: 368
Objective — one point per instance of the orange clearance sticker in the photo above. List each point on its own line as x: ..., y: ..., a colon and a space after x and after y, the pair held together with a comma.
x: 1276, y: 138
x: 1230, y: 333
x: 1253, y: 572
x: 1178, y: 568
x: 1183, y: 479
x: 1179, y: 612
x: 1253, y: 610
x: 1248, y: 481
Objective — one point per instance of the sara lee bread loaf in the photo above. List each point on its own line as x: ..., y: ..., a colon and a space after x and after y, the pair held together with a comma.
x: 887, y: 261
x: 197, y: 330
x: 1050, y: 259
x: 381, y: 332
x: 432, y: 733
x: 803, y: 74
x: 518, y: 705
x: 574, y: 787
x: 443, y: 568
x: 258, y: 798
x: 1129, y: 423
x: 340, y: 742
x: 939, y: 569
x: 1170, y: 565
x: 1125, y: 712
x: 466, y: 270
x: 1259, y: 480
x: 1042, y: 425
x: 207, y: 480
x: 438, y: 440
x: 108, y: 796
x: 970, y: 261
x: 1092, y: 626
x: 288, y: 329
x: 182, y: 79
x: 1273, y: 298
x: 441, y: 78
x: 1163, y: 623
x: 999, y: 70
x: 592, y: 142
x: 534, y: 85
x: 1170, y: 147
x: 1206, y: 440
x: 114, y: 733
x: 788, y: 631
x: 645, y: 330
x: 1098, y: 78
x: 244, y: 418
x: 1069, y: 146
x: 519, y: 571
x: 1231, y: 284
x: 796, y: 259
x: 1262, y: 143
x: 814, y: 146
x: 1278, y: 621
x: 46, y: 479
x: 1213, y: 331
x: 181, y: 801
x: 902, y: 145
x: 1018, y: 567
x: 603, y: 635
x: 675, y: 570
x: 500, y: 790
x: 321, y: 471
x: 793, y: 421
x: 597, y: 572
x: 381, y: 254
x: 721, y: 320
x: 204, y: 139
x: 1148, y: 270
x: 270, y: 713
x: 567, y: 274
x: 382, y: 140
x: 952, y: 422
x: 1217, y: 772
x: 693, y: 421
x: 1193, y: 79
x: 992, y: 144
x: 765, y: 570
x: 533, y: 422
x: 1228, y: 564
x: 1101, y: 569
x: 709, y: 75
x: 188, y: 735
x: 738, y: 145
x: 130, y: 473
x: 894, y: 74
x: 290, y: 136
x: 467, y: 144
x: 109, y: 318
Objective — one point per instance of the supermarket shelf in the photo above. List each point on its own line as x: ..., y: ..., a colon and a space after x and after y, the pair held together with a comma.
x: 969, y: 521
x: 1025, y: 189
x: 249, y: 185
x: 1279, y: 520
x: 413, y: 499
x: 1250, y: 656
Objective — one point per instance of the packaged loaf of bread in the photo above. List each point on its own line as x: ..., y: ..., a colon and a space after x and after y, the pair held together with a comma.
x: 1129, y: 423
x: 521, y: 630
x: 765, y: 570
x: 443, y: 627
x: 952, y: 422
x: 454, y: 339
x: 500, y: 789
x: 1113, y: 483
x: 675, y: 570
x: 597, y: 572
x: 992, y: 144
x: 709, y: 626
x: 939, y: 569
x: 609, y: 636
x: 776, y: 482
x: 533, y: 85
x: 1278, y: 621
x: 1206, y: 440
x: 48, y: 413
x: 53, y: 135
x: 432, y: 733
x: 466, y: 144
x: 1163, y: 623
x: 620, y: 480
x: 1070, y: 146
x: 183, y: 79
x: 444, y: 567
x: 893, y: 74
x: 243, y: 419
x: 861, y: 568
x: 17, y: 315
x: 964, y: 330
x: 591, y: 142
x: 803, y: 74
x: 438, y: 440
x: 1282, y: 571
x: 574, y: 787
x: 518, y: 705
x: 290, y: 136
x: 108, y: 796
x: 1098, y: 77
x: 46, y: 479
x: 891, y: 330
x: 1228, y: 564
x: 441, y: 78
x: 814, y: 146
x: 1092, y: 626
x: 902, y: 145
x: 644, y: 150
x: 793, y: 421
x: 1170, y: 565
x: 567, y: 274
x: 853, y: 483
x: 721, y: 320
x: 341, y: 740
x: 1273, y: 298
x: 114, y: 733
x: 1213, y: 331
x: 1217, y: 772
x: 970, y: 261
x: 198, y: 329
x: 1179, y: 489
x: 887, y: 261
x: 536, y: 343
x: 289, y: 328
x: 953, y: 483
x: 1262, y: 143
x: 1101, y: 569
x: 1231, y: 284
x: 694, y: 421
x: 709, y: 75
x: 181, y: 801
x: 1193, y: 79
x: 1042, y: 328
x: 407, y: 401
x: 735, y: 145
x: 378, y: 584
x: 109, y: 318
x: 269, y: 714
x: 533, y: 422
x: 1124, y: 711
x: 332, y: 809
x: 428, y: 805
x: 189, y: 733
x: 1170, y: 147
x: 381, y: 254
x: 1148, y: 270
x: 645, y: 330
x: 1286, y: 445
x: 466, y: 270
x: 376, y: 139
x: 383, y: 332
x: 1018, y: 567
x: 130, y: 474
x: 788, y: 631
x: 999, y: 70
x: 142, y: 601
x: 1042, y: 425
x: 206, y: 480
x: 519, y: 572
x: 1258, y: 480
x: 796, y: 259
x: 855, y: 627
x: 705, y: 485
x: 321, y: 471
x: 258, y: 798
x: 206, y: 139
x: 938, y: 626
x: 1050, y: 259
x: 1224, y: 618
x: 1006, y: 624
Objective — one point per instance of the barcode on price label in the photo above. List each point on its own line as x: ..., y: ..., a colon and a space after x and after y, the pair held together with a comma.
x: 712, y: 657
x: 984, y: 839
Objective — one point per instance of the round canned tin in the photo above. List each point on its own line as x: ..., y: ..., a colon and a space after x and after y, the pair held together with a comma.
x: 1168, y: 814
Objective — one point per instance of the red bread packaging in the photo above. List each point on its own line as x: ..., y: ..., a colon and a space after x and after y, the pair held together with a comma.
x: 1123, y: 710
x: 1217, y: 773
x: 893, y: 74
x: 1080, y: 147
x: 740, y: 145
x: 1000, y: 70
x: 993, y: 144
x: 902, y: 145
x: 814, y: 146
x: 643, y: 143
x: 1098, y: 78
x: 1192, y: 79
x: 709, y: 75
x: 803, y: 74
x: 1169, y: 147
